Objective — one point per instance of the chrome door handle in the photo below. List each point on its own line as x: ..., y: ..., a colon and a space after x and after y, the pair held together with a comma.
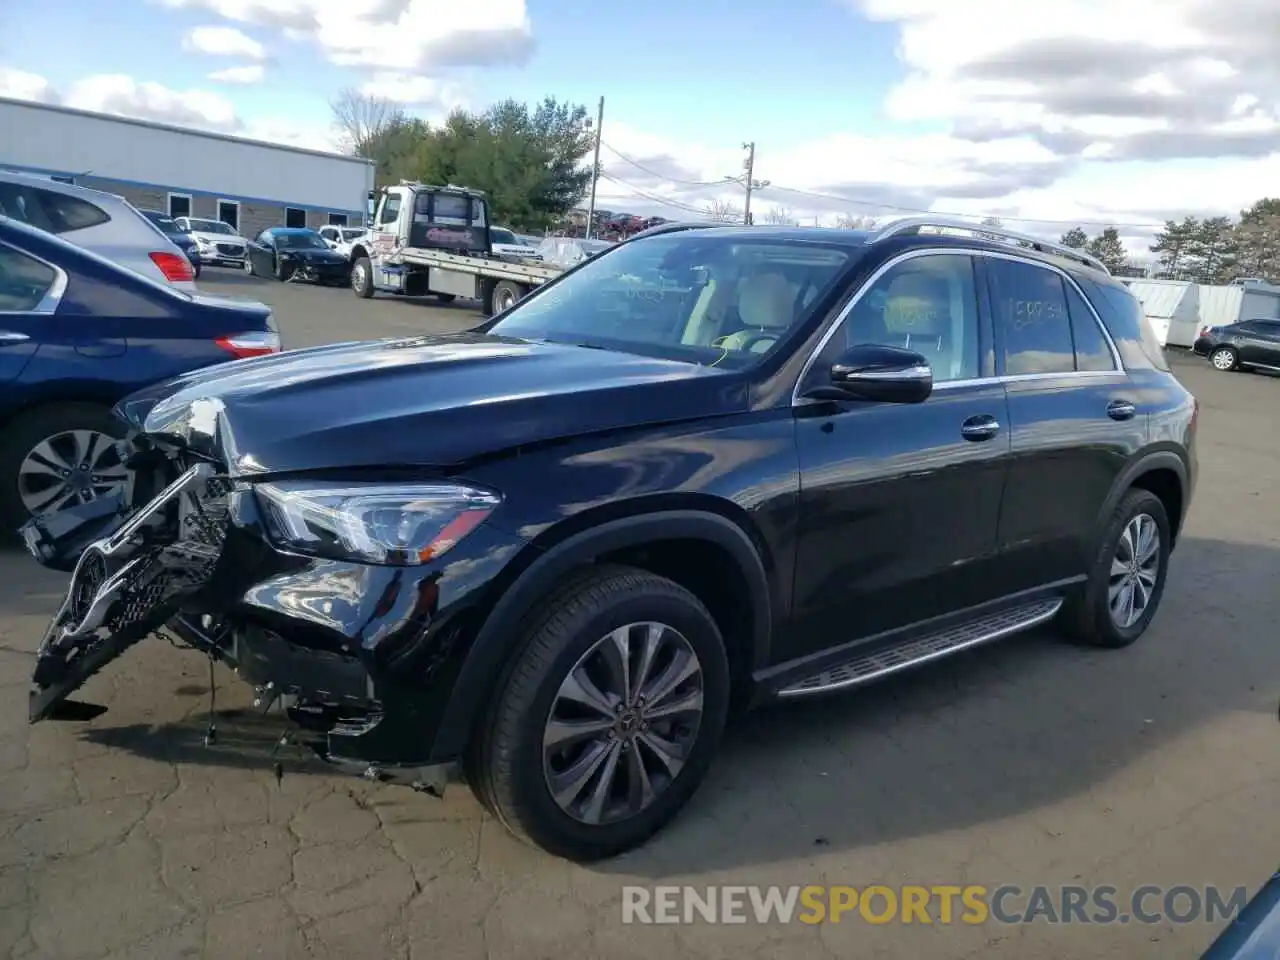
x: 980, y: 428
x: 9, y: 336
x: 1121, y: 410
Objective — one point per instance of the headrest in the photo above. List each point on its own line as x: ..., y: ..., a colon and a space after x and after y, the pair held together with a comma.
x: 766, y: 301
x: 918, y: 303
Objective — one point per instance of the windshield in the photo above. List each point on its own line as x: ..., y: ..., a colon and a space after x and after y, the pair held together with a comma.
x: 723, y: 301
x: 167, y: 224
x: 210, y: 226
x: 298, y: 241
x: 499, y: 235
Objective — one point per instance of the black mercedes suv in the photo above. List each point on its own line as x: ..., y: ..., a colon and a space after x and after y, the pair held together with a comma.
x: 707, y: 469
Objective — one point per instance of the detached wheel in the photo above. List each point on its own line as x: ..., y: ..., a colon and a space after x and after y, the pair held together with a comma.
x: 1225, y: 359
x: 1128, y: 576
x: 362, y: 278
x: 57, y: 457
x: 505, y: 295
x: 608, y: 718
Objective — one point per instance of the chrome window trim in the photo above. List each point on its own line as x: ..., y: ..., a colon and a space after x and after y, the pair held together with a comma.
x: 48, y: 304
x: 1117, y: 371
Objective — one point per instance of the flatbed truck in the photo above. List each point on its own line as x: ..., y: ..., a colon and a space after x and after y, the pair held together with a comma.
x: 434, y: 240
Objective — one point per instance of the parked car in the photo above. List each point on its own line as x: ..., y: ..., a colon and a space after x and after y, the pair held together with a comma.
x: 1241, y: 346
x: 177, y: 236
x: 287, y: 253
x: 219, y: 243
x: 102, y: 222
x: 556, y: 548
x: 1255, y: 933
x: 341, y: 238
x: 506, y: 244
x: 570, y: 251
x: 77, y: 333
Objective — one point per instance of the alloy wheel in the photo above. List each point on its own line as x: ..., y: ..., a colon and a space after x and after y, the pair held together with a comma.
x: 1223, y: 359
x: 1135, y: 568
x: 623, y: 723
x: 69, y: 469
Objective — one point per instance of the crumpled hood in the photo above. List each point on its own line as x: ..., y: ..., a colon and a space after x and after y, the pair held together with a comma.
x: 425, y: 401
x: 312, y: 255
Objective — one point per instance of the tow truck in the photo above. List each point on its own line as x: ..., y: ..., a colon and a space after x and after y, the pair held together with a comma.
x: 434, y: 240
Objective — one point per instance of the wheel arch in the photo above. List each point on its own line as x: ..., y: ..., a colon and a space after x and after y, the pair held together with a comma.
x: 704, y: 551
x: 1161, y: 472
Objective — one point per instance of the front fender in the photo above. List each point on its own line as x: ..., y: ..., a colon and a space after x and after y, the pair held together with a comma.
x: 500, y: 633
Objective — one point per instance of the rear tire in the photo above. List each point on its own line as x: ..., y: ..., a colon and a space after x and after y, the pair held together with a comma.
x: 1091, y: 615
x: 506, y: 293
x: 1225, y: 359
x: 21, y: 436
x: 362, y: 278
x: 510, y: 766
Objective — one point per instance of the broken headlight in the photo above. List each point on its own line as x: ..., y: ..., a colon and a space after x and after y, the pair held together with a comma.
x: 384, y: 523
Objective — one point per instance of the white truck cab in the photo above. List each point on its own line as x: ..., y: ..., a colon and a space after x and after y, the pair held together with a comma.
x: 428, y: 239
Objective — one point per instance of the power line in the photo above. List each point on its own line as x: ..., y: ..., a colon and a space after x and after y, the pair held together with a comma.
x: 654, y: 198
x: 662, y: 176
x: 856, y: 202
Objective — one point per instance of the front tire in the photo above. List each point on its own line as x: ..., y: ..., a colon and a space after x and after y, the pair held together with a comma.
x: 1225, y: 359
x: 284, y: 271
x: 248, y: 266
x: 362, y: 278
x: 607, y: 719
x: 1128, y: 576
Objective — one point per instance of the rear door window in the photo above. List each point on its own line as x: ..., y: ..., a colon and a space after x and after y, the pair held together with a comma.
x: 24, y: 281
x: 1031, y: 318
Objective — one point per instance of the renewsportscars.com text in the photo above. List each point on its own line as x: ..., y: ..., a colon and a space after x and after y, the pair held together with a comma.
x: 935, y: 904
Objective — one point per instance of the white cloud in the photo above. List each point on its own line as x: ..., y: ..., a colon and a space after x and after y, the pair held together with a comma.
x: 224, y: 42
x: 408, y: 90
x: 251, y: 73
x: 201, y: 109
x: 20, y: 85
x: 407, y: 36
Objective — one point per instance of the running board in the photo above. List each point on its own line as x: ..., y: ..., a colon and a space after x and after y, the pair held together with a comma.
x: 941, y: 643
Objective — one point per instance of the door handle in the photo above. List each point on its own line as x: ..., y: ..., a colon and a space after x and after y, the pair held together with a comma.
x: 982, y: 427
x: 9, y: 336
x: 1121, y: 410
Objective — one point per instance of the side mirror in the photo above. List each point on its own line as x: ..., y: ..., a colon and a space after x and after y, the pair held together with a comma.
x: 869, y: 371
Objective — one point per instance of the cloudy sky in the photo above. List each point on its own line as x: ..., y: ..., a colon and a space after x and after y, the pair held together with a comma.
x: 1068, y: 111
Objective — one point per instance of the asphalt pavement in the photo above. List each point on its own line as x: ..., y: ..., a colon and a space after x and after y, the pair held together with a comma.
x: 1027, y: 762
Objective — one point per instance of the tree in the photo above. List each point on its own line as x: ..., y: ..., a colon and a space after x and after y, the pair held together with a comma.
x: 722, y: 211
x: 780, y: 216
x: 528, y: 160
x: 1174, y: 244
x: 1108, y: 248
x: 1075, y: 238
x: 1212, y: 251
x: 853, y: 221
x: 1257, y: 239
x: 360, y: 119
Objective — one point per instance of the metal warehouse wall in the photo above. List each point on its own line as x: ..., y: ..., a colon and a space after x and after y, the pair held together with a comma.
x: 57, y: 140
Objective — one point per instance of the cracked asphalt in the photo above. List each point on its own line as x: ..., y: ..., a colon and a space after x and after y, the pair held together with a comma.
x: 1027, y: 762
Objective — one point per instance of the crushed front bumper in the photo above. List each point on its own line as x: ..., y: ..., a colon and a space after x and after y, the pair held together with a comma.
x: 362, y: 656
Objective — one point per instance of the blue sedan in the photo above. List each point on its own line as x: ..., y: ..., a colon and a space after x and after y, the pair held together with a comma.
x: 77, y: 334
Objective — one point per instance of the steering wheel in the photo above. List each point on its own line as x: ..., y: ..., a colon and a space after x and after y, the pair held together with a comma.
x: 753, y: 339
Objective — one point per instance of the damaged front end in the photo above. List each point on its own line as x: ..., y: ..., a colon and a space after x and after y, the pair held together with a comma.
x: 131, y: 570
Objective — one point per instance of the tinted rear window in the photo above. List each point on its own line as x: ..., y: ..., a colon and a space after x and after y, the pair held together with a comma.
x: 1125, y: 318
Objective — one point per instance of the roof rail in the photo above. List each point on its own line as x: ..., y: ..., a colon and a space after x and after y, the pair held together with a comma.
x: 916, y: 225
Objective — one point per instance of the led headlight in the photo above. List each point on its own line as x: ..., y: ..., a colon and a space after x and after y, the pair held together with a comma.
x: 398, y: 524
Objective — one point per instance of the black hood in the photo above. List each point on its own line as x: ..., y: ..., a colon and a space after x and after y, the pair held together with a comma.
x: 427, y: 401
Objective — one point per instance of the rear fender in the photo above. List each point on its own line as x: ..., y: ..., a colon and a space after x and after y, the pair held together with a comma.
x: 500, y: 635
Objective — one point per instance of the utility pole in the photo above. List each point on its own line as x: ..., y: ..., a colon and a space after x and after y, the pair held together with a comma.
x: 748, y: 180
x: 595, y: 170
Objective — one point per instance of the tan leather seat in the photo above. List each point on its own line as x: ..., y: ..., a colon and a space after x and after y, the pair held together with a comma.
x: 766, y: 305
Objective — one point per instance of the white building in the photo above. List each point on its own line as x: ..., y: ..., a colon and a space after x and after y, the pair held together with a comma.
x: 184, y: 172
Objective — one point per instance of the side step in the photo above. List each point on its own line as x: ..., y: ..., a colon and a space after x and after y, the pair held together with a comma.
x: 884, y: 660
